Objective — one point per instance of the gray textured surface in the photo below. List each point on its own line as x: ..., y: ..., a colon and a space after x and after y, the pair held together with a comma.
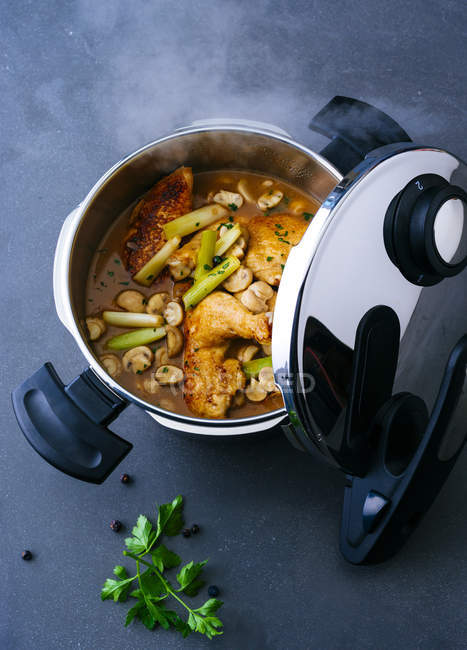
x: 83, y: 83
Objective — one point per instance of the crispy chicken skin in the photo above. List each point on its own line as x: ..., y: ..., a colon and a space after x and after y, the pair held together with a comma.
x: 171, y: 197
x: 211, y: 381
x: 271, y: 238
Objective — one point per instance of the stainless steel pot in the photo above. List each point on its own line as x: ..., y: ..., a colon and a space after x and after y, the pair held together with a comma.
x: 207, y: 145
x: 359, y: 320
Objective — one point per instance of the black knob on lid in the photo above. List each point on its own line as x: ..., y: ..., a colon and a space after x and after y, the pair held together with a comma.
x: 425, y: 230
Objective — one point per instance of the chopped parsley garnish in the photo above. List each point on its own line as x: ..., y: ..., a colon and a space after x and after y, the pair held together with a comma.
x: 139, y: 372
x: 206, y: 267
x: 117, y: 261
x: 197, y: 224
x: 269, y: 258
x: 165, y: 369
x: 278, y: 225
x: 307, y: 215
x: 278, y: 234
x: 103, y: 284
x: 230, y: 218
x: 110, y: 274
x: 282, y: 266
x: 149, y: 277
x: 125, y: 283
x: 232, y: 206
x: 197, y: 369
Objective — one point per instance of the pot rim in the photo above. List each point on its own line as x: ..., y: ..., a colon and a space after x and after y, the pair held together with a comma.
x: 67, y: 241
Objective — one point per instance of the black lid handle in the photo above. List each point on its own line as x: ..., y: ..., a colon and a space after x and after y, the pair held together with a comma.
x: 412, y: 461
x: 355, y: 128
x: 66, y: 425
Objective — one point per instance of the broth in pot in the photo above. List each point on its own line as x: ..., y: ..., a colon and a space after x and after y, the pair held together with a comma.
x: 197, y: 308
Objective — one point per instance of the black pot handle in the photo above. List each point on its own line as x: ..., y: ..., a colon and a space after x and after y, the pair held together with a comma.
x: 66, y: 425
x: 355, y: 128
x: 413, y: 459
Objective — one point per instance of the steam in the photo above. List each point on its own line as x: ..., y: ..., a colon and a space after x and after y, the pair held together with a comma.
x: 178, y: 62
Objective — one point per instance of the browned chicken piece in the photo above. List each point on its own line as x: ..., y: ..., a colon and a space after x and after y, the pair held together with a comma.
x: 183, y: 261
x: 170, y: 198
x: 211, y: 381
x: 271, y: 238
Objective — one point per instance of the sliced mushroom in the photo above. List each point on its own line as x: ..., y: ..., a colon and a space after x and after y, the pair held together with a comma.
x: 238, y: 398
x: 174, y: 340
x: 173, y: 313
x: 247, y: 352
x: 262, y: 290
x: 267, y: 183
x: 251, y: 301
x: 239, y: 280
x: 157, y: 303
x: 269, y: 199
x: 169, y: 375
x: 96, y: 327
x: 297, y: 206
x: 228, y: 199
x: 138, y: 359
x: 267, y: 349
x: 242, y: 187
x: 161, y: 356
x: 256, y: 296
x: 130, y: 300
x: 151, y: 385
x: 112, y: 364
x: 238, y: 248
x: 254, y: 391
x: 266, y: 379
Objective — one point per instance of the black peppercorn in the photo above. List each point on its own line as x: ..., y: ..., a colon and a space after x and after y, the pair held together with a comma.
x: 115, y: 525
x: 217, y: 259
x: 26, y: 555
x: 213, y: 591
x: 125, y: 478
x: 195, y: 529
x: 186, y: 532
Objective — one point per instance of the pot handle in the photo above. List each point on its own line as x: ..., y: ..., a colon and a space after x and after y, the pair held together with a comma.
x: 355, y: 128
x: 66, y: 425
x: 414, y: 457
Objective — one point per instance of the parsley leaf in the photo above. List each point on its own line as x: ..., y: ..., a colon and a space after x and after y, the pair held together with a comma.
x: 152, y: 586
x: 143, y: 536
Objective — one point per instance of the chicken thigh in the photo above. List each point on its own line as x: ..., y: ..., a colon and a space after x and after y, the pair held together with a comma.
x: 171, y: 197
x: 271, y: 238
x: 211, y: 381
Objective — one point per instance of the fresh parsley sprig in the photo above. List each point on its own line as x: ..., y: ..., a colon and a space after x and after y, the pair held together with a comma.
x: 152, y: 586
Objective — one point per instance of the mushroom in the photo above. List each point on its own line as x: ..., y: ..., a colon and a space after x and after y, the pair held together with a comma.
x: 161, y: 356
x: 266, y: 379
x: 267, y: 349
x: 112, y: 364
x: 173, y: 313
x: 254, y: 391
x: 133, y: 301
x: 96, y: 327
x: 267, y: 183
x: 269, y: 199
x: 157, y: 302
x: 138, y: 359
x: 174, y: 340
x: 169, y: 375
x: 238, y: 248
x: 247, y: 352
x: 256, y: 296
x: 272, y: 301
x: 297, y: 206
x: 228, y: 199
x: 151, y: 385
x: 242, y: 187
x: 239, y: 280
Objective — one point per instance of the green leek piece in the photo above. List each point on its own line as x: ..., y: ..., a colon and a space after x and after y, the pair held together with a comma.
x: 252, y: 368
x: 210, y: 281
x: 151, y: 269
x: 196, y: 220
x: 205, y: 253
x: 132, y: 339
